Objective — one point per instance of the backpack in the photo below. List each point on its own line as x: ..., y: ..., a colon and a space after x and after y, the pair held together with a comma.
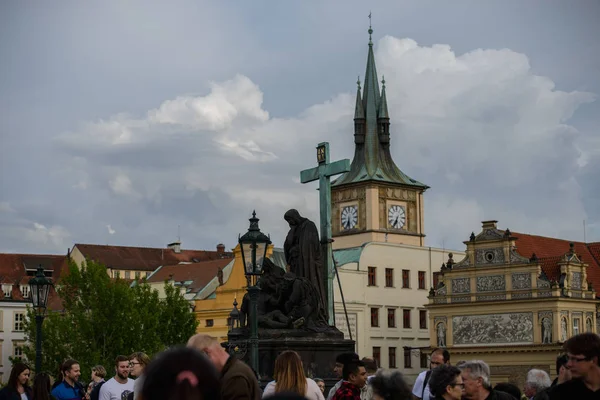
x: 425, y: 381
x: 95, y: 395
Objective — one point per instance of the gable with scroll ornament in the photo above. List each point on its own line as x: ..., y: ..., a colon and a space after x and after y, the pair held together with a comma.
x: 490, y: 234
x: 516, y: 258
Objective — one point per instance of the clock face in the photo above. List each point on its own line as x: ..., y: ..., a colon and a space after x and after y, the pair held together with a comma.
x: 349, y: 217
x: 396, y: 217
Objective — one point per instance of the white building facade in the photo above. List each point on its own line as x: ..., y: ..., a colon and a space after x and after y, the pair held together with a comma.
x: 12, y: 334
x: 385, y: 288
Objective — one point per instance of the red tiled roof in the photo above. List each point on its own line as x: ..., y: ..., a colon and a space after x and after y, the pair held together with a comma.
x: 13, y: 269
x: 550, y: 250
x: 594, y: 249
x: 199, y: 273
x: 144, y: 258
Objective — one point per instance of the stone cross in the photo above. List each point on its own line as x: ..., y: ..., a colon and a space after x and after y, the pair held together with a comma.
x: 323, y: 172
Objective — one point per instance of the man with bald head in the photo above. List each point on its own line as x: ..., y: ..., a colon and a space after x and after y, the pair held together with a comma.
x: 238, y: 381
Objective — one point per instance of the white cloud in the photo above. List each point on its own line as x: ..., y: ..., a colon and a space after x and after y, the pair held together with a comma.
x: 121, y: 185
x: 236, y: 98
x: 111, y: 231
x: 491, y: 138
x: 55, y: 235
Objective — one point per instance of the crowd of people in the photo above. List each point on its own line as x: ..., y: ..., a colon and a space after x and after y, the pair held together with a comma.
x: 204, y: 370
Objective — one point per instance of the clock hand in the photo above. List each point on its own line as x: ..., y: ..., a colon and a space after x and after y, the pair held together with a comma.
x: 396, y: 222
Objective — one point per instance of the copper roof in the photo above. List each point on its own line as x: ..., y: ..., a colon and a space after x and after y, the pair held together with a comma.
x: 550, y: 251
x: 198, y: 274
x: 144, y: 258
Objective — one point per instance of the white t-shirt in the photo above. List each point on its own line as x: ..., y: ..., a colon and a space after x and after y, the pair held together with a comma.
x: 113, y: 390
x: 418, y: 386
x: 313, y: 392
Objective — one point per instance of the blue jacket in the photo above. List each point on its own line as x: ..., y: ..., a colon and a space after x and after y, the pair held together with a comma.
x: 64, y: 391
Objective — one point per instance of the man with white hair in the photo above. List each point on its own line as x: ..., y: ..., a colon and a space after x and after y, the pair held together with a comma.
x: 476, y: 379
x: 537, y: 380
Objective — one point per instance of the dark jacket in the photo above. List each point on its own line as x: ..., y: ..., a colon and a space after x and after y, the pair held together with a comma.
x: 543, y: 395
x: 498, y: 395
x: 238, y: 381
x: 8, y: 393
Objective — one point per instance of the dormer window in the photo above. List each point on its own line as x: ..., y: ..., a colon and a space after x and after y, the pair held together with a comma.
x: 25, y: 291
x: 7, y: 289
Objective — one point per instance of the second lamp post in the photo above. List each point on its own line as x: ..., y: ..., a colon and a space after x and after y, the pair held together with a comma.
x: 254, y: 245
x: 39, y: 287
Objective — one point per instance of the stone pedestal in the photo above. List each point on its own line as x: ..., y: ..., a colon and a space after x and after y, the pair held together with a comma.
x: 318, y: 351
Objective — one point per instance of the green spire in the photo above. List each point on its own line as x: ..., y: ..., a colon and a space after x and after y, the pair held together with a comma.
x: 370, y: 99
x: 383, y: 108
x: 372, y: 158
x: 359, y: 112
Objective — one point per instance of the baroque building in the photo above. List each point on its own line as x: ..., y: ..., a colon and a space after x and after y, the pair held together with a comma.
x: 384, y: 267
x: 513, y: 300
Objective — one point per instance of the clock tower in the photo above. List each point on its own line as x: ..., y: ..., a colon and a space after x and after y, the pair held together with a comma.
x: 375, y: 201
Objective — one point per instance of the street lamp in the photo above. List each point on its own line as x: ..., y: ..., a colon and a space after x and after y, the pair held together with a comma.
x: 254, y: 246
x: 39, y: 287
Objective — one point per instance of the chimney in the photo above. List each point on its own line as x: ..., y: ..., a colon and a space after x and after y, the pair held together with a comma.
x: 220, y: 248
x: 175, y: 246
x: 492, y: 224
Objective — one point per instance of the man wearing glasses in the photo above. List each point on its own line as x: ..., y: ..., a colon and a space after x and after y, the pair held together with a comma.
x: 421, y: 388
x: 583, y: 352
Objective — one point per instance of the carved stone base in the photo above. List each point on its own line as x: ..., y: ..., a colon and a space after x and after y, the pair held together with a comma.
x: 317, y: 350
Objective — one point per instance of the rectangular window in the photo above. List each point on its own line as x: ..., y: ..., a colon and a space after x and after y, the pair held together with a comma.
x: 436, y: 279
x: 422, y: 319
x: 407, y: 359
x: 18, y: 350
x: 575, y: 326
x: 127, y: 275
x: 424, y: 360
x: 209, y: 323
x: 25, y: 291
x: 391, y: 318
x: 372, y: 276
x: 389, y: 277
x: 137, y: 274
x: 377, y: 355
x: 392, y: 357
x: 421, y: 279
x: 405, y: 278
x: 19, y: 322
x: 375, y: 317
x: 406, y: 319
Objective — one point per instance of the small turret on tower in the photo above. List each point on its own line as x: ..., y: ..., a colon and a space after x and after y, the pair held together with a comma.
x: 359, y: 118
x: 383, y: 118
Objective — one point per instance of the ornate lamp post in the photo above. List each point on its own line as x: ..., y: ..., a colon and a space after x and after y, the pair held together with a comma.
x: 39, y: 287
x: 254, y: 246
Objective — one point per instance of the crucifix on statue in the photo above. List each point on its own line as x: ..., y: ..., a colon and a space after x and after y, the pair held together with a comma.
x: 323, y: 172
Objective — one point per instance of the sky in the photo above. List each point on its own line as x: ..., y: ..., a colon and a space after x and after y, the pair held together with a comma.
x: 137, y: 123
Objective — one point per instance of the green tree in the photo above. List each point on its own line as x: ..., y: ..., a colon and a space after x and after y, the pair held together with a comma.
x: 104, y: 317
